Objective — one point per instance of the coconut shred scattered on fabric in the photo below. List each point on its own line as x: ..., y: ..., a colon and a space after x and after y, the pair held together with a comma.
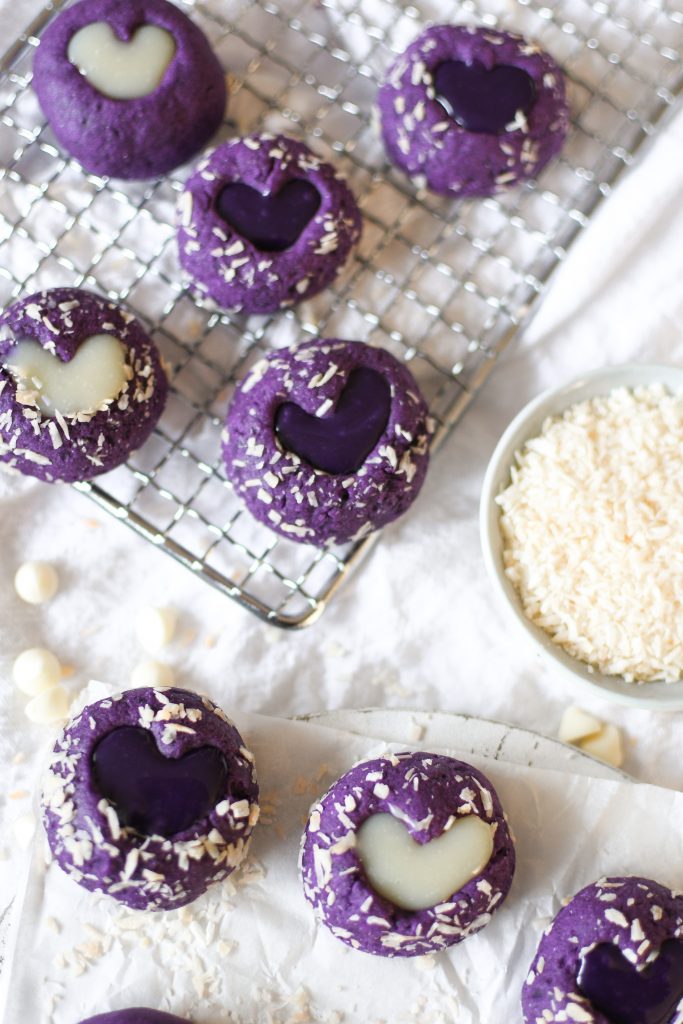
x: 592, y: 525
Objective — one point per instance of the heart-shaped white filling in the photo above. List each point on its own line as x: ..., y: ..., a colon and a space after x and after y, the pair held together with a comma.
x: 413, y: 875
x: 95, y: 375
x: 120, y: 70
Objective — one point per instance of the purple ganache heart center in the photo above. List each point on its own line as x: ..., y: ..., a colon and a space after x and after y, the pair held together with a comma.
x: 483, y: 100
x: 340, y: 441
x: 273, y: 222
x: 628, y: 996
x: 152, y: 793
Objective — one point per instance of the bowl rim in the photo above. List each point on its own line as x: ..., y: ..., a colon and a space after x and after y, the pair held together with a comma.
x: 527, y: 423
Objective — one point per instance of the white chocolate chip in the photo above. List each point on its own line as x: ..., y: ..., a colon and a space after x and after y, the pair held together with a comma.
x: 152, y: 673
x: 36, y: 670
x: 606, y: 746
x: 577, y: 724
x: 49, y: 706
x: 155, y: 627
x: 599, y: 739
x: 23, y: 829
x: 36, y: 582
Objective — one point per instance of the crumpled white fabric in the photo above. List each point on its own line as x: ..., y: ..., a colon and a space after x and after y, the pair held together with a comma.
x: 250, y: 950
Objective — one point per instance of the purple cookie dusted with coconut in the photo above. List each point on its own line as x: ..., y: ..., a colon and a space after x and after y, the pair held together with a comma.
x: 135, y: 1015
x: 81, y: 385
x: 264, y: 223
x: 407, y: 854
x: 150, y: 797
x: 473, y: 111
x: 327, y: 441
x: 613, y: 955
x: 131, y: 88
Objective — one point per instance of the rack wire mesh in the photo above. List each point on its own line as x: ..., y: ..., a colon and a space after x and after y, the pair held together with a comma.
x: 442, y: 284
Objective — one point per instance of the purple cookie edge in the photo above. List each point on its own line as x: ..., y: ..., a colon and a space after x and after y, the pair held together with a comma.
x: 348, y: 885
x: 124, y: 863
x: 107, y: 438
x: 136, y: 1015
x: 454, y: 161
x: 224, y: 266
x: 335, y: 509
x: 551, y: 983
x: 134, y: 139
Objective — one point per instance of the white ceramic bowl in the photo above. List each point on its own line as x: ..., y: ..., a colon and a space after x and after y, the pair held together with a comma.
x: 525, y: 425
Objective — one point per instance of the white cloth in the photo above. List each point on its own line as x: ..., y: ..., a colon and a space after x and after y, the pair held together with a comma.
x: 201, y: 961
x: 418, y: 625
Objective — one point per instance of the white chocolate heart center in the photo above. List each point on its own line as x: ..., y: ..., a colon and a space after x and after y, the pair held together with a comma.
x: 96, y: 375
x: 415, y: 876
x: 120, y: 70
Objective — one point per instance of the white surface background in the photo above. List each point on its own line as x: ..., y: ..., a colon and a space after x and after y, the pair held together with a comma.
x: 418, y: 626
x: 280, y: 967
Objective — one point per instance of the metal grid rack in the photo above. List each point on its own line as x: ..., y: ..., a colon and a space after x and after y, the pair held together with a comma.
x: 443, y: 285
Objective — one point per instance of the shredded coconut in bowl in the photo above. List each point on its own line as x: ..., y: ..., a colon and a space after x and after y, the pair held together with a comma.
x: 592, y: 526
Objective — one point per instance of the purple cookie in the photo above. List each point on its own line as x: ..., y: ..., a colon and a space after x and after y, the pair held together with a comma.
x: 264, y: 224
x: 75, y: 446
x: 613, y: 955
x: 327, y: 441
x: 136, y: 1015
x: 429, y: 794
x: 142, y: 137
x: 150, y: 797
x: 474, y: 111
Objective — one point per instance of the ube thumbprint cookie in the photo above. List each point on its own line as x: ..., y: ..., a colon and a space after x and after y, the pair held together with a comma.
x: 264, y: 223
x: 407, y: 854
x: 473, y: 111
x: 131, y: 88
x: 135, y: 1015
x: 150, y: 797
x: 613, y: 955
x: 81, y: 385
x: 327, y: 441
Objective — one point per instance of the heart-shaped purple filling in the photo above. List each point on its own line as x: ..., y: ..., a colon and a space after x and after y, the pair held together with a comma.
x: 628, y: 996
x: 272, y: 223
x: 341, y: 441
x: 480, y: 100
x: 154, y: 794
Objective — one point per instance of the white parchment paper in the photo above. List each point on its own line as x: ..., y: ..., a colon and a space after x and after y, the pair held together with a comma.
x: 250, y: 951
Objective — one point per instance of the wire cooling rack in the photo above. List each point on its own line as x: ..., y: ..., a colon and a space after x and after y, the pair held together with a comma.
x: 443, y: 285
